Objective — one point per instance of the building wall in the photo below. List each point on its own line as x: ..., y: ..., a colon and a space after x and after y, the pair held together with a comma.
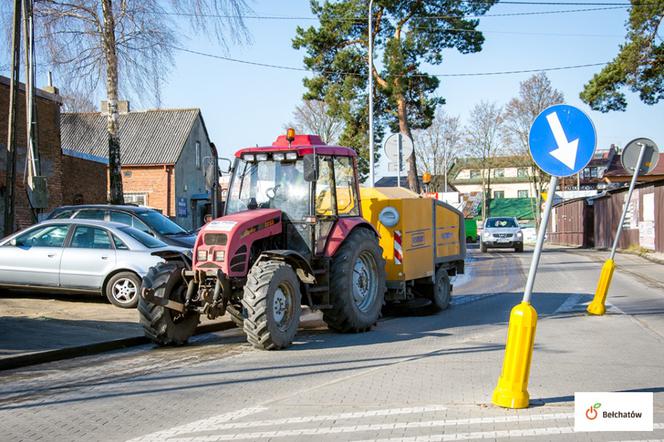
x: 511, y: 189
x: 48, y: 114
x: 644, y: 225
x: 155, y: 182
x: 189, y: 178
x: 509, y: 172
x: 84, y: 181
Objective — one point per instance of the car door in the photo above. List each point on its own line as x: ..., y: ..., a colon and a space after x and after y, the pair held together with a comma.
x: 33, y: 258
x: 87, y: 259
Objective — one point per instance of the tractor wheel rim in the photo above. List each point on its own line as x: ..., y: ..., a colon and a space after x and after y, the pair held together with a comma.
x: 282, y: 306
x: 124, y: 290
x: 364, y: 281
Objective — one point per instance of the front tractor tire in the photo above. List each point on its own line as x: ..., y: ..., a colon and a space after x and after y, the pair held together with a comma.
x: 272, y: 302
x: 357, y: 284
x: 162, y: 325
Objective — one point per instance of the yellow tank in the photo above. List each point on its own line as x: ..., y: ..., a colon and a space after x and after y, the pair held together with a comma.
x: 417, y: 234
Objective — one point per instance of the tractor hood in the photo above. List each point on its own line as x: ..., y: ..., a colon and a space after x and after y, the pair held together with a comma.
x: 225, y: 243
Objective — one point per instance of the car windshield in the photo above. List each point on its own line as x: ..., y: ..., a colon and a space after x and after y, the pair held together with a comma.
x: 269, y: 184
x: 501, y: 222
x: 148, y: 241
x: 159, y: 223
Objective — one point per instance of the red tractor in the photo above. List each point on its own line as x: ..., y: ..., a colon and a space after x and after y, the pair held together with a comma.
x: 292, y: 233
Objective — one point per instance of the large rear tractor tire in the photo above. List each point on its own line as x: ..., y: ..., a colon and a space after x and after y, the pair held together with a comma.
x: 357, y: 283
x: 162, y: 325
x: 272, y: 301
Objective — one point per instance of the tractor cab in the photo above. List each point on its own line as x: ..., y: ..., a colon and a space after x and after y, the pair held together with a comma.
x: 311, y: 183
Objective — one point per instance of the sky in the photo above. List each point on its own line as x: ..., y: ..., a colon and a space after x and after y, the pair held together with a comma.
x: 245, y: 105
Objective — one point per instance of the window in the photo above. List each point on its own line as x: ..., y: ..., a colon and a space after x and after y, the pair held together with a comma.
x: 91, y: 214
x: 140, y: 199
x: 121, y: 217
x: 88, y: 237
x: 148, y: 241
x: 593, y: 172
x: 501, y: 222
x: 474, y: 174
x: 522, y: 172
x: 499, y: 173
x: 522, y: 193
x: 323, y: 193
x: 49, y: 236
x: 198, y: 155
x: 344, y: 176
x: 119, y: 244
x: 63, y: 215
x: 498, y: 194
x: 158, y: 222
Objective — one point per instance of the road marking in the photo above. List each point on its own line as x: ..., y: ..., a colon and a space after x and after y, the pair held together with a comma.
x: 531, y: 432
x: 372, y: 427
x: 330, y: 417
x: 198, y: 425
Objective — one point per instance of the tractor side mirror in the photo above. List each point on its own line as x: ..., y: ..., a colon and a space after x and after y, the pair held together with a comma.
x: 310, y: 168
x: 224, y: 165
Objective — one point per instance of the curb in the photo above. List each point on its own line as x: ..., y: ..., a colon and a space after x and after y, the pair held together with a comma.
x: 41, y: 357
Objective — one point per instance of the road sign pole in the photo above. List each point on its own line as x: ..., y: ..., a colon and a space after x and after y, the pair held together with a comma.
x: 527, y: 294
x: 512, y: 388
x: 598, y: 305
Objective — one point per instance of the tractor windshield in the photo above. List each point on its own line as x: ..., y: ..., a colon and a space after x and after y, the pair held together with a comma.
x: 269, y: 184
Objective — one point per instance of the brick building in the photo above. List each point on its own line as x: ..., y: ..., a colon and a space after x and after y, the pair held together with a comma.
x: 48, y: 134
x: 84, y: 177
x: 164, y: 154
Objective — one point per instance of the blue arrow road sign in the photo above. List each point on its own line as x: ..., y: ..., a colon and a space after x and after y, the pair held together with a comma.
x: 562, y: 140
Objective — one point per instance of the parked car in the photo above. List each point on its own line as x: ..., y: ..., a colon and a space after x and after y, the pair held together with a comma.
x: 82, y: 256
x: 501, y: 232
x: 142, y: 218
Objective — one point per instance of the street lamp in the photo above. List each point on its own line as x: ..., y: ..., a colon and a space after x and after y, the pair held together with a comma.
x: 371, y: 136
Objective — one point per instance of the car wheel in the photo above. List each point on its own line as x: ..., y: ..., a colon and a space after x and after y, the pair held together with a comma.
x: 122, y: 289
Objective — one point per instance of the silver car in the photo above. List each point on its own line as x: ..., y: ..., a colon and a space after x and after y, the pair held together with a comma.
x: 501, y: 232
x: 81, y: 256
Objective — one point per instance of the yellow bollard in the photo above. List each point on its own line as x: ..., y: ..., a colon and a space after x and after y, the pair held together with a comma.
x: 597, y: 306
x: 512, y: 389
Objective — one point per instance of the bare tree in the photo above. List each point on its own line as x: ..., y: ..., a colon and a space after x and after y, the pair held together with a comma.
x: 535, y: 95
x: 312, y: 116
x: 483, y: 138
x: 127, y: 43
x: 77, y: 102
x: 437, y: 147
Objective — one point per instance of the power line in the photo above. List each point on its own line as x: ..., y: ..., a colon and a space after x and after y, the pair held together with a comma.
x: 363, y: 19
x: 331, y: 72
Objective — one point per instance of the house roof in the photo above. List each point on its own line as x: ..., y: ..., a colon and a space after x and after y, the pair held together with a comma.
x: 146, y: 137
x: 616, y: 169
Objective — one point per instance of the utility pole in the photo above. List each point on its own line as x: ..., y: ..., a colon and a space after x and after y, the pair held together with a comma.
x: 10, y: 171
x: 372, y: 177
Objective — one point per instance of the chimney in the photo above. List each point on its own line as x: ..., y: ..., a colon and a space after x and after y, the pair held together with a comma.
x: 123, y: 107
x: 49, y: 87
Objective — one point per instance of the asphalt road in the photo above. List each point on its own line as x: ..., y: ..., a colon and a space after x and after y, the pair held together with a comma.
x: 424, y: 377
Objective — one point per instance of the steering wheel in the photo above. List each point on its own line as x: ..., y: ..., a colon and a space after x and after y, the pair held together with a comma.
x: 272, y: 191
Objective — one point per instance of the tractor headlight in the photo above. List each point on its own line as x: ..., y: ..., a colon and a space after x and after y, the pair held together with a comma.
x: 201, y: 255
x: 278, y: 156
x: 249, y: 157
x: 219, y: 255
x: 261, y: 157
x: 292, y: 156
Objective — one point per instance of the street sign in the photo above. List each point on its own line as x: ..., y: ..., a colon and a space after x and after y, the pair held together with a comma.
x: 630, y: 156
x: 391, y: 147
x: 394, y: 167
x: 562, y: 140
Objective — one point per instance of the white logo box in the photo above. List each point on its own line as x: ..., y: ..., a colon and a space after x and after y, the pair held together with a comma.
x: 605, y: 411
